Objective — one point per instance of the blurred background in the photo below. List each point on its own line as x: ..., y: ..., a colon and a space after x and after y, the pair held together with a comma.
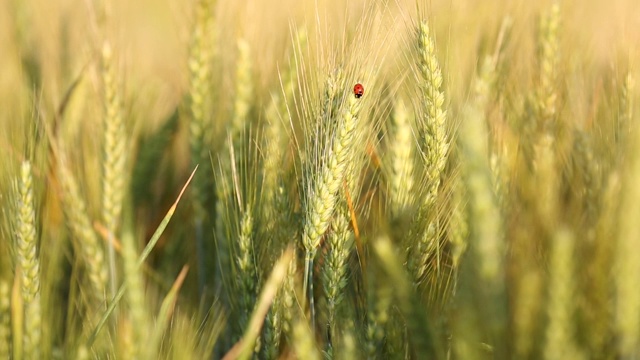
x: 51, y: 73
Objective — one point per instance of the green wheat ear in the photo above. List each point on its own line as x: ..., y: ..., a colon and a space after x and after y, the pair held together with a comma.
x: 5, y: 320
x: 115, y: 158
x: 137, y: 314
x: 27, y: 258
x: 400, y: 161
x: 246, y: 267
x: 325, y: 184
x: 434, y: 142
x: 200, y: 124
x: 625, y: 112
x: 91, y: 250
x: 547, y: 94
x: 199, y: 94
x: 561, y: 330
x: 487, y: 248
x: 626, y: 257
x: 233, y: 156
x: 334, y: 272
x: 115, y: 145
x: 304, y: 343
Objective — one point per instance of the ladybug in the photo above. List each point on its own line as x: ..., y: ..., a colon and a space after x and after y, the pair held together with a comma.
x: 358, y: 90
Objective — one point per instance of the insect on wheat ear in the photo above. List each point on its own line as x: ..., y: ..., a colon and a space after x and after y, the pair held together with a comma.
x: 358, y: 90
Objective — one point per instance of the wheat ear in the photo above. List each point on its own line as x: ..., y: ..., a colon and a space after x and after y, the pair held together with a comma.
x: 560, y: 335
x: 92, y: 252
x: 5, y: 320
x: 424, y: 237
x: 400, y: 161
x: 323, y: 191
x: 340, y: 241
x: 27, y: 257
x: 114, y: 164
x: 199, y: 64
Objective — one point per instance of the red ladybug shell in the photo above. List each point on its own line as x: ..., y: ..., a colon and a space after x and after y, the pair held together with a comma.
x: 358, y: 90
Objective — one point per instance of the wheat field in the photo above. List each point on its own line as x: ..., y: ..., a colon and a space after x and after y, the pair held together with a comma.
x: 361, y: 179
